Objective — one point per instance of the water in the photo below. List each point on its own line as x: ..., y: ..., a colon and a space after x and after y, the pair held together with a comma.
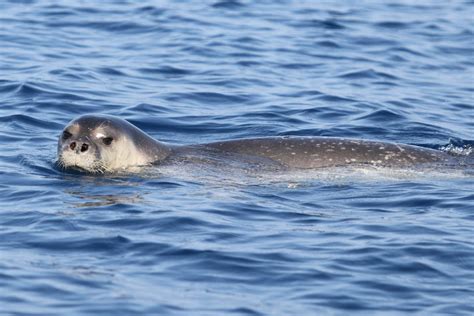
x: 183, y: 241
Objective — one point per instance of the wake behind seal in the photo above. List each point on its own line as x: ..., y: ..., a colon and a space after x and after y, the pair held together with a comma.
x: 104, y: 143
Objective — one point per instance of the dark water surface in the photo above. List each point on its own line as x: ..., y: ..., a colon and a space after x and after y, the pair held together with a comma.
x: 183, y: 241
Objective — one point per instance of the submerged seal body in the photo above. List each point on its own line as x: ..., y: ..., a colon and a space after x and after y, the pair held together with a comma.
x: 103, y: 143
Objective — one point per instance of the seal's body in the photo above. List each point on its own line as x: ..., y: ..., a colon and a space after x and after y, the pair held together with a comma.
x: 319, y: 152
x: 102, y: 143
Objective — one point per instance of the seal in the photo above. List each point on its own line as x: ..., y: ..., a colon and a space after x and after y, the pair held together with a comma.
x: 103, y: 143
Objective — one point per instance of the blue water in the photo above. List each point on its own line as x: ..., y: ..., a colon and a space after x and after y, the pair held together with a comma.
x: 183, y: 241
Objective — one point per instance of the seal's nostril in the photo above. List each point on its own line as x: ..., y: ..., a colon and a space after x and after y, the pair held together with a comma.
x: 72, y: 145
x: 84, y: 147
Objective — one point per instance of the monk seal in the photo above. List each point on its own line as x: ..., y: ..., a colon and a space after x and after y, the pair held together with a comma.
x: 104, y: 143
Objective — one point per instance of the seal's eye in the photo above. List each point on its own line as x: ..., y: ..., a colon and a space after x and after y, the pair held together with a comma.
x: 107, y: 140
x: 66, y: 135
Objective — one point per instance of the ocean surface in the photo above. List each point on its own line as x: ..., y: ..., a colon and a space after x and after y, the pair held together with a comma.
x: 204, y: 241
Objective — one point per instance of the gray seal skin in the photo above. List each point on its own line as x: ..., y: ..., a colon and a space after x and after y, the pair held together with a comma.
x: 103, y: 143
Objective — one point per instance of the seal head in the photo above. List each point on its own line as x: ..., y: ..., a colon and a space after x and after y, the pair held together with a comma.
x: 102, y: 143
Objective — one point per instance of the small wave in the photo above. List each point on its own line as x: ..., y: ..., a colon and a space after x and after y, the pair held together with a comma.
x: 328, y: 24
x: 367, y: 74
x: 166, y: 70
x: 23, y: 120
x: 328, y: 44
x: 228, y: 4
x: 111, y: 71
x: 395, y: 25
x: 382, y: 116
x: 212, y: 98
x: 459, y: 147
